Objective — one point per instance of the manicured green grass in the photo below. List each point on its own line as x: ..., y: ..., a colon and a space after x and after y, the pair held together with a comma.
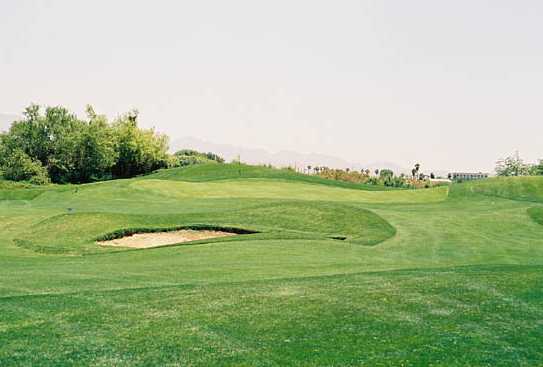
x: 426, y: 277
x: 488, y: 316
x: 270, y: 189
x: 18, y: 191
x: 288, y: 219
x: 213, y: 172
x: 515, y: 188
x: 536, y: 214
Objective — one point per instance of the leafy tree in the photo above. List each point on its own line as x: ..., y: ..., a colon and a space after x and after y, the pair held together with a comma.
x: 20, y: 167
x: 39, y: 136
x: 74, y: 150
x: 512, y: 166
x: 187, y: 157
x: 386, y: 173
x: 95, y: 152
x: 537, y: 169
x: 214, y: 157
x: 139, y: 151
x: 3, y: 149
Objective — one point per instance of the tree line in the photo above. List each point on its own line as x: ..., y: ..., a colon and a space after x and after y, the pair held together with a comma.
x: 187, y: 157
x: 54, y: 145
x: 514, y: 165
x: 383, y: 177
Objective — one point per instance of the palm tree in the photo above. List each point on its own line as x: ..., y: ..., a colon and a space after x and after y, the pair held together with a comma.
x: 415, y: 170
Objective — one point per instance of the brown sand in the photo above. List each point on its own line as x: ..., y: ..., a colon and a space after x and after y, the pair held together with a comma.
x: 147, y: 240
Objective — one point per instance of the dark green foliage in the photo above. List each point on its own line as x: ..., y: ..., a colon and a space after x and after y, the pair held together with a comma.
x: 139, y: 151
x: 384, y: 173
x: 56, y: 145
x: 537, y: 169
x: 19, y: 166
x: 188, y: 157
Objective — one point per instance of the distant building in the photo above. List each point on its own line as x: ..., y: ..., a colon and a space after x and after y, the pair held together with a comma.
x: 462, y: 176
x: 440, y: 180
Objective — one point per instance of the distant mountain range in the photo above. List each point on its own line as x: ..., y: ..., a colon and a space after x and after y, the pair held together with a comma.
x: 282, y: 158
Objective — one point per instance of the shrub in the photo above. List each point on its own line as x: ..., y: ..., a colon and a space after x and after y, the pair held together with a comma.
x: 18, y: 166
x: 188, y: 157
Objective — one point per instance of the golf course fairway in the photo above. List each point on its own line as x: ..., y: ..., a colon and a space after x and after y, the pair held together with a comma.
x: 322, y: 272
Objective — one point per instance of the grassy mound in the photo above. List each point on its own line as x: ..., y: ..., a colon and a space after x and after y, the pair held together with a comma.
x: 76, y: 233
x: 214, y: 172
x: 514, y: 188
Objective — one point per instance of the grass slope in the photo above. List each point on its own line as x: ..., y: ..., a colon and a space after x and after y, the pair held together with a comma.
x: 514, y: 188
x: 213, y: 172
x: 274, y: 220
x: 423, y: 278
x: 270, y: 189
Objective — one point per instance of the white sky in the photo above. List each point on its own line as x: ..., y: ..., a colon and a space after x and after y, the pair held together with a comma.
x: 452, y: 84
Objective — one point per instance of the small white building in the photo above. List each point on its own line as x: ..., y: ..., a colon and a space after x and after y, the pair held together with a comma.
x: 463, y: 176
x: 440, y: 180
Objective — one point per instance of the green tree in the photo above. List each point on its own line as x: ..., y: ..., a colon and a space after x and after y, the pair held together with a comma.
x: 74, y: 150
x: 512, y: 166
x: 139, y: 151
x: 19, y: 166
x: 187, y: 157
x: 95, y: 151
x: 386, y: 173
x: 537, y: 169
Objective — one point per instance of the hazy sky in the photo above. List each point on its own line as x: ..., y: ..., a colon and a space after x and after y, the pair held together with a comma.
x: 452, y: 84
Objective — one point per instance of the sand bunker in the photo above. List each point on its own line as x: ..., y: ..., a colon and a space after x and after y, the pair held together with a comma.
x: 147, y: 240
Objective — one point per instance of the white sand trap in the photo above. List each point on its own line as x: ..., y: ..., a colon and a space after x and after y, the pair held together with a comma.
x: 148, y: 240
